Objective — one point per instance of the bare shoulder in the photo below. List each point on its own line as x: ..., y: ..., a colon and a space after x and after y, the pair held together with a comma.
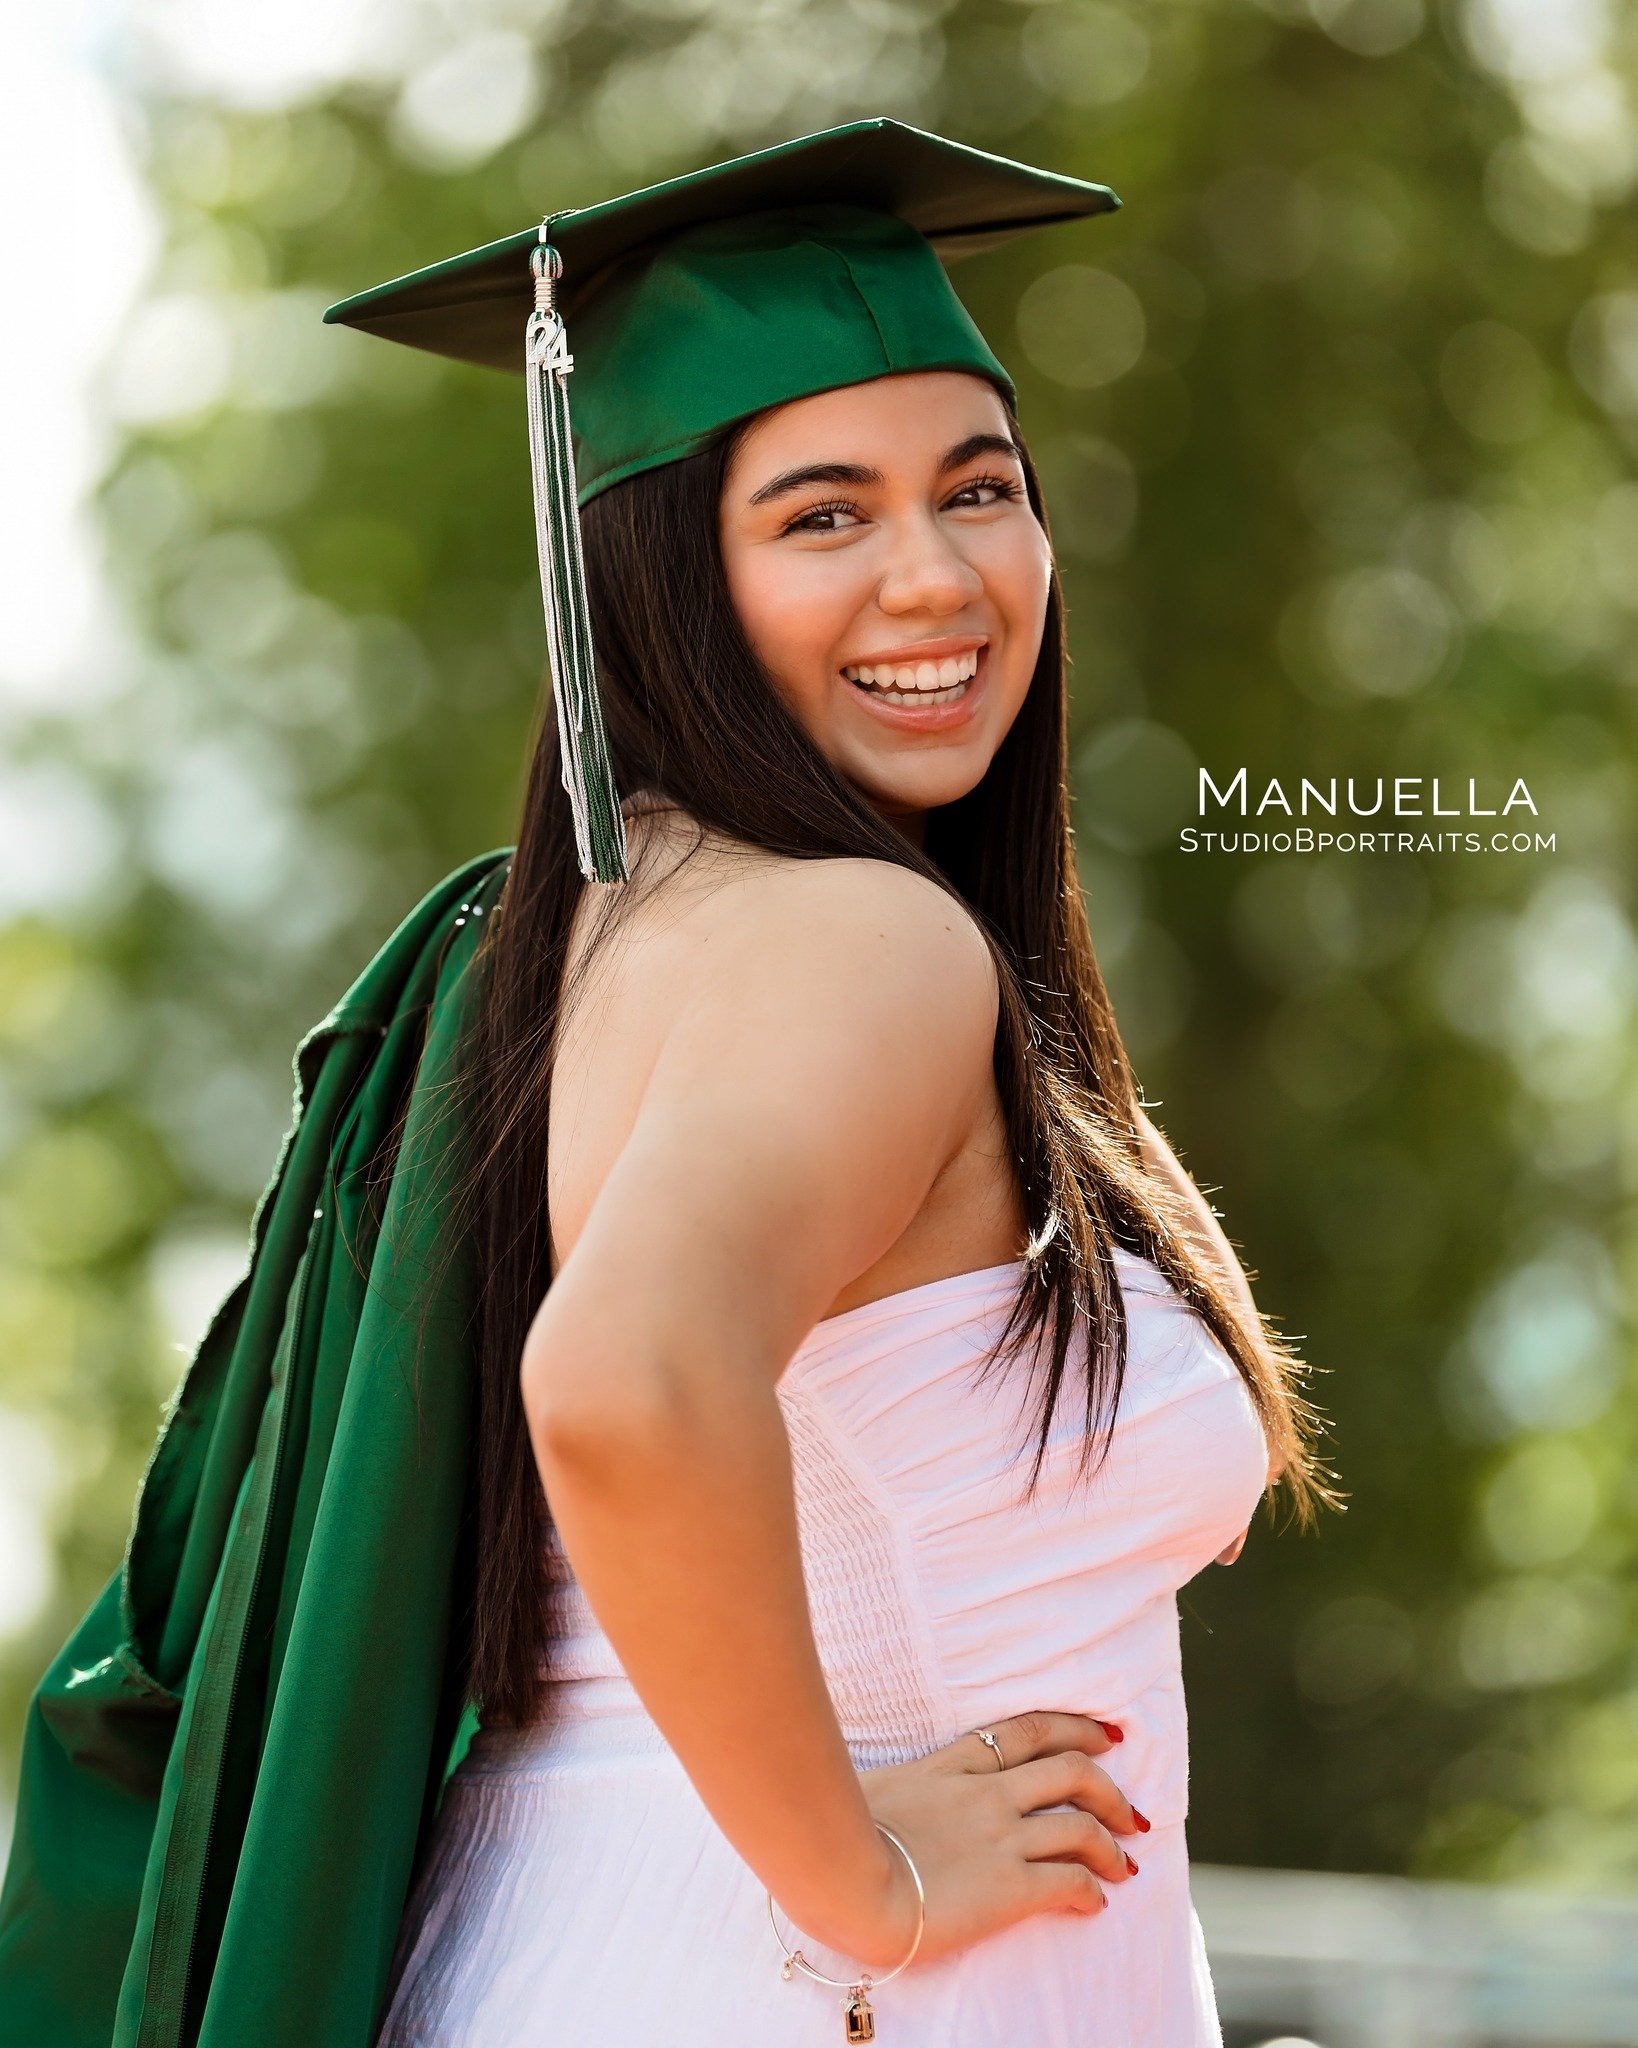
x: 874, y: 925
x: 725, y: 914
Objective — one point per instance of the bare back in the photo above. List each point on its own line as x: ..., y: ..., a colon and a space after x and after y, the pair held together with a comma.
x: 615, y: 1024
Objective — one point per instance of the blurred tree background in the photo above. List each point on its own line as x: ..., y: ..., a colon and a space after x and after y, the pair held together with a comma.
x: 1337, y: 418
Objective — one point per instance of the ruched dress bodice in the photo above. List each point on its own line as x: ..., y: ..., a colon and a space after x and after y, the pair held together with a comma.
x: 577, y: 1889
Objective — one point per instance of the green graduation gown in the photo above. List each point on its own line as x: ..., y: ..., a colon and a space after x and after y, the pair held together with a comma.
x: 227, y: 1770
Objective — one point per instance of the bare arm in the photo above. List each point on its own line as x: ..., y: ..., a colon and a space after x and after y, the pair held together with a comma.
x: 809, y: 1090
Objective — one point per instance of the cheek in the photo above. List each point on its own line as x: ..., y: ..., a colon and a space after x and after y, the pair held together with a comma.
x: 795, y: 611
x: 1020, y: 572
x: 1016, y: 565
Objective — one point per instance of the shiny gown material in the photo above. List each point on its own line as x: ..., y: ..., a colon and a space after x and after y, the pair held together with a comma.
x: 577, y: 1891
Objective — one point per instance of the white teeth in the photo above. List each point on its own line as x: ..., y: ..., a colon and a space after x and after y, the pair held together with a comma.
x: 921, y: 678
x: 919, y: 697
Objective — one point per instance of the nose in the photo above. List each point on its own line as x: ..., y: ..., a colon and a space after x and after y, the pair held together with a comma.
x: 925, y: 573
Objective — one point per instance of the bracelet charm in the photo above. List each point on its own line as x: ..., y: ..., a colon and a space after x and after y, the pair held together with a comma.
x: 857, y: 2013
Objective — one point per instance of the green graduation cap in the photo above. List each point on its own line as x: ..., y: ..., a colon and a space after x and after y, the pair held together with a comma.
x: 696, y: 303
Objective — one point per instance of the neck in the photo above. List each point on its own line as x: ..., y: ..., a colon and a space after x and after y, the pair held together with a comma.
x: 911, y: 822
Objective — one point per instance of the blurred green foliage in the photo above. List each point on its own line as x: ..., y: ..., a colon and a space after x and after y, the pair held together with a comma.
x: 1337, y: 418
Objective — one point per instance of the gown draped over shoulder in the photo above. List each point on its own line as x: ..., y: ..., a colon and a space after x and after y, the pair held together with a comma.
x: 576, y: 1889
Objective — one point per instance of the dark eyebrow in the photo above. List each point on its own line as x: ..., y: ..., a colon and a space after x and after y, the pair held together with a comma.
x: 980, y: 444
x: 790, y: 480
x: 816, y: 473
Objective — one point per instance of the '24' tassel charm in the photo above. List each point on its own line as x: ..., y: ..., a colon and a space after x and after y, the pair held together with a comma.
x: 599, y: 827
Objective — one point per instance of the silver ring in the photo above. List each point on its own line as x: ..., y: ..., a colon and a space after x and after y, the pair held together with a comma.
x: 984, y: 1735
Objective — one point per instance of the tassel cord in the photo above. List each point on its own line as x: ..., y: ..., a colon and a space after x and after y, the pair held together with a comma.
x: 586, y: 768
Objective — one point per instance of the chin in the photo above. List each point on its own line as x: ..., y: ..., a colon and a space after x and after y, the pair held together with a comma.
x: 941, y: 783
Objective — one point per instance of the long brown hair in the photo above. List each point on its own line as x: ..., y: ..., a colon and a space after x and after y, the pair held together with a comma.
x: 692, y: 714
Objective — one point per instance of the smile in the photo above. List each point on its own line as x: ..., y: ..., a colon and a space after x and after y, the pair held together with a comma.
x: 916, y: 682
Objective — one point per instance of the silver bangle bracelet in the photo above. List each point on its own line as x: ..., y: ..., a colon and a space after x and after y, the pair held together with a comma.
x: 859, y: 2019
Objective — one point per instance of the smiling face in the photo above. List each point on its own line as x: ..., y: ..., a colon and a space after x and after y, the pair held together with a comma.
x: 891, y: 577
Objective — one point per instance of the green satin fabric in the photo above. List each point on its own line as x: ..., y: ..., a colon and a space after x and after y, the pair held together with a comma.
x: 228, y: 1769
x: 736, y: 315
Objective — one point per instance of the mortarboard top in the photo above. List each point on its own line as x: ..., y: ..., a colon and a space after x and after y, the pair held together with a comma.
x: 696, y: 303
x: 962, y: 200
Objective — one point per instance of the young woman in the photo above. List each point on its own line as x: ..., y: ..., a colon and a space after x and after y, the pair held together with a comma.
x: 862, y: 1375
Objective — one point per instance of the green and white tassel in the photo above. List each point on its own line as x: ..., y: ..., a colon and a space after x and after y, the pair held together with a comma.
x: 599, y: 827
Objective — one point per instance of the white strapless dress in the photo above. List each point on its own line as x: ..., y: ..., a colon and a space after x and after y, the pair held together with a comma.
x: 578, y: 1894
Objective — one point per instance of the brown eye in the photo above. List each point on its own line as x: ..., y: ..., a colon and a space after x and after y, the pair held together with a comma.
x: 820, y: 518
x: 996, y: 489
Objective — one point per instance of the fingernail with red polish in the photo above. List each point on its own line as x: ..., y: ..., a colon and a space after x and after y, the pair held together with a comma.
x: 1131, y: 1866
x: 1113, y: 1730
x: 1139, y: 1822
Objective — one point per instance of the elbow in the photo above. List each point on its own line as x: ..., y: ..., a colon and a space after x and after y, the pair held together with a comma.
x: 565, y: 1419
x: 587, y: 1420
x: 615, y: 1404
